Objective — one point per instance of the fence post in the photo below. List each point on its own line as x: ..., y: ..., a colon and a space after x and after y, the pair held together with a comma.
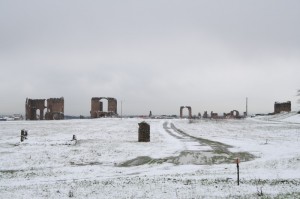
x: 238, y: 170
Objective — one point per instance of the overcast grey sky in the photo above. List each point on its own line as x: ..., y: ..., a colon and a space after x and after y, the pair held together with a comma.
x: 154, y: 55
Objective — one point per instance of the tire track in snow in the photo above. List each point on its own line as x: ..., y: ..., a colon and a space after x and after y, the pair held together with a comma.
x: 190, y: 143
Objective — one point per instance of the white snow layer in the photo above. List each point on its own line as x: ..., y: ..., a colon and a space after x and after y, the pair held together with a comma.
x: 49, y: 165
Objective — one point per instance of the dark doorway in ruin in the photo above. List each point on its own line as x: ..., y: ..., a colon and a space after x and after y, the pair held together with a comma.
x: 39, y: 114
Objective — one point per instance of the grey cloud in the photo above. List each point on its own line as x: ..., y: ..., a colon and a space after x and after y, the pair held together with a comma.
x: 155, y: 55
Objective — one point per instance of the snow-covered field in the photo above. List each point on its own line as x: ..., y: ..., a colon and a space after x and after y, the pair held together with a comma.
x: 185, y: 159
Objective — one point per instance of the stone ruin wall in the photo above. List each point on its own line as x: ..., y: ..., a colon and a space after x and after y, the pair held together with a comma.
x: 31, y: 107
x: 280, y: 107
x: 214, y: 115
x: 54, y: 109
x: 97, y: 107
x: 55, y: 104
x: 144, y: 132
x: 189, y: 109
x: 112, y: 105
x: 232, y: 115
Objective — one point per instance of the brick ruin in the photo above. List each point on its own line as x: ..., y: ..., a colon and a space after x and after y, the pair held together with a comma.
x: 214, y: 115
x: 97, y: 107
x: 280, y: 107
x: 189, y: 109
x: 35, y: 109
x: 55, y: 109
x: 205, y: 115
x: 31, y: 108
x: 231, y: 115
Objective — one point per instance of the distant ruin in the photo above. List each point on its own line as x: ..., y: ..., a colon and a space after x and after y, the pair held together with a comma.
x: 97, y: 107
x: 205, y: 115
x: 214, y: 115
x: 189, y: 109
x: 35, y: 108
x: 234, y: 114
x: 280, y: 107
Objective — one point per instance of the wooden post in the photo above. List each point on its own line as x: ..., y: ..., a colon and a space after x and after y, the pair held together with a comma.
x: 74, y: 137
x: 23, y: 135
x: 238, y: 170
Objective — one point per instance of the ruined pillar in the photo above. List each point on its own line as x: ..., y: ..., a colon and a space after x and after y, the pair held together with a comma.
x: 112, y: 105
x: 205, y: 114
x: 144, y: 132
x: 41, y: 114
x: 190, y: 111
x: 181, y: 108
x: 100, y: 106
x: 96, y: 106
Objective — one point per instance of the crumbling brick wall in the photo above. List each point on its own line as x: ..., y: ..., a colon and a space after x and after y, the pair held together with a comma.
x: 189, y: 109
x: 97, y: 107
x: 205, y: 115
x: 55, y: 108
x: 31, y: 107
x: 279, y: 107
x: 214, y: 115
x: 112, y: 105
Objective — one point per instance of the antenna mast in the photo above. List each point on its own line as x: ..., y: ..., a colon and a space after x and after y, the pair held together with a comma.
x: 246, y: 106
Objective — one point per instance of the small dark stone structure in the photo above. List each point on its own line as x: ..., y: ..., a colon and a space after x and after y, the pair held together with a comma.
x: 97, y: 107
x: 24, y: 134
x: 284, y: 106
x: 54, y: 109
x: 205, y: 115
x: 214, y: 115
x: 74, y: 138
x: 144, y: 132
x: 190, y: 111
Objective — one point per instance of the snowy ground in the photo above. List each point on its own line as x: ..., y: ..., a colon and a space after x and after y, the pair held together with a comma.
x: 185, y: 159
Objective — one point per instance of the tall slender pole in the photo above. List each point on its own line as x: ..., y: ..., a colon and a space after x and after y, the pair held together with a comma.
x: 246, y: 106
x: 121, y: 109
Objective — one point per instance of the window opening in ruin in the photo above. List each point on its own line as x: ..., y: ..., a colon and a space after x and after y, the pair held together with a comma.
x: 104, y: 105
x: 235, y: 113
x: 37, y: 114
x: 185, y: 113
x: 46, y: 105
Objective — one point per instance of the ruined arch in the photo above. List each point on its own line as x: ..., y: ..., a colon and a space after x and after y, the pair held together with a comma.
x: 34, y: 106
x: 54, y: 109
x: 189, y: 109
x: 235, y: 113
x: 97, y: 107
